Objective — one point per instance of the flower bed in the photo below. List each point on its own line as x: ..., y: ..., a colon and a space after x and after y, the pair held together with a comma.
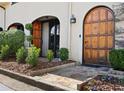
x: 103, y: 83
x: 26, y: 69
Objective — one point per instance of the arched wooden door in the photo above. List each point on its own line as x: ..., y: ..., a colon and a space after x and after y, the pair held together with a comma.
x: 37, y: 34
x: 98, y: 35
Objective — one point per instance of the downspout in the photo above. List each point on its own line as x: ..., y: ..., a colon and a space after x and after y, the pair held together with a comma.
x: 4, y: 19
x: 4, y: 16
x: 69, y: 28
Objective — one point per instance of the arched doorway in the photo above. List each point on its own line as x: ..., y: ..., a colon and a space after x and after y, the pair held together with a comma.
x: 18, y: 26
x: 46, y: 33
x: 98, y: 35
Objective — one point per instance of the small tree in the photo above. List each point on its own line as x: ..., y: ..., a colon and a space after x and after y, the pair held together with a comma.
x: 29, y: 39
x: 28, y: 27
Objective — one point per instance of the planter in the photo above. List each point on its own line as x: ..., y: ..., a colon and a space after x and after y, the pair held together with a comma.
x: 102, y: 83
x: 41, y: 68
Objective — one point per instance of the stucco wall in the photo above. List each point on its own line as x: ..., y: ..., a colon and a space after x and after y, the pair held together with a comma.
x: 28, y: 12
x: 2, y: 17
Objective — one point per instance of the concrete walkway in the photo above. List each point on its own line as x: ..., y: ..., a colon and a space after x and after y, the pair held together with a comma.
x: 69, y: 77
x: 78, y: 72
x: 7, y: 83
x: 4, y: 88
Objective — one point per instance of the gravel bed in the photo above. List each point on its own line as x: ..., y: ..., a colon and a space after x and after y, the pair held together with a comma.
x: 11, y: 64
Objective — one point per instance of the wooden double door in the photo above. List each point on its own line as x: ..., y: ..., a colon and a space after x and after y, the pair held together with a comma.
x: 98, y: 36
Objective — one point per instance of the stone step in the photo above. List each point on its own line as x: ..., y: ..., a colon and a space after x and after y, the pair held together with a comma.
x: 60, y: 81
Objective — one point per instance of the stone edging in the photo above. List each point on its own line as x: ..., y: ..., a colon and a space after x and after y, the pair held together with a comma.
x: 40, y: 84
x: 79, y: 86
x: 43, y: 71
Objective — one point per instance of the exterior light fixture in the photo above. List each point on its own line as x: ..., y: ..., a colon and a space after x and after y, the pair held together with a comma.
x: 72, y: 19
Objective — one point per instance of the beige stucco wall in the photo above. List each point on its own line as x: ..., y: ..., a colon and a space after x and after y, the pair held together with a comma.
x: 2, y: 17
x: 28, y: 12
x: 69, y: 33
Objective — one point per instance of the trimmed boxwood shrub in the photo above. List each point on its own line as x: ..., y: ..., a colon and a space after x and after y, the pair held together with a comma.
x: 33, y: 54
x: 63, y: 54
x: 21, y: 55
x: 4, y: 53
x: 28, y: 26
x: 50, y: 55
x: 13, y: 38
x: 116, y: 58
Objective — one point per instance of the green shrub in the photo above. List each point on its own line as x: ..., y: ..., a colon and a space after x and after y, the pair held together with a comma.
x: 116, y: 58
x: 13, y: 38
x: 4, y: 51
x: 21, y: 55
x: 63, y: 54
x: 29, y: 39
x: 33, y: 54
x: 28, y: 26
x: 50, y: 55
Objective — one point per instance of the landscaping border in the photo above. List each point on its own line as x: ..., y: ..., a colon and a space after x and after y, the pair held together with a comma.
x: 46, y: 70
x: 40, y: 84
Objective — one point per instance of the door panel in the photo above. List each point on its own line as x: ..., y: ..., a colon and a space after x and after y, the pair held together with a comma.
x: 102, y: 14
x: 94, y: 55
x: 110, y: 41
x: 87, y: 42
x: 88, y: 20
x: 110, y: 27
x: 102, y: 28
x: 102, y: 42
x: 95, y: 16
x: 98, y: 36
x: 94, y: 42
x: 87, y: 55
x: 87, y: 29
x: 37, y: 34
x: 95, y: 28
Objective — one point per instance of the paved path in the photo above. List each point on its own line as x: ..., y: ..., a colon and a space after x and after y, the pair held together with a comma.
x: 4, y: 88
x: 70, y: 77
x: 77, y: 72
x: 7, y: 83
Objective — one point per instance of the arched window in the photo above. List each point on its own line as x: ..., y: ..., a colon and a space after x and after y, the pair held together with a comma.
x: 18, y: 26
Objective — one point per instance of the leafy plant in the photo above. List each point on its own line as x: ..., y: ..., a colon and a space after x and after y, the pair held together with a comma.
x: 50, y: 55
x: 63, y: 54
x: 33, y: 54
x: 28, y: 26
x: 116, y: 58
x: 4, y: 51
x: 21, y: 55
x: 13, y: 38
x: 29, y: 39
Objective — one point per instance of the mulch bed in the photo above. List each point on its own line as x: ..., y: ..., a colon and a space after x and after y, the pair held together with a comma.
x: 101, y: 84
x: 12, y: 65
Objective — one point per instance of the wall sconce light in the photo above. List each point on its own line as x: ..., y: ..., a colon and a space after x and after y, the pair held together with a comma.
x: 72, y: 19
